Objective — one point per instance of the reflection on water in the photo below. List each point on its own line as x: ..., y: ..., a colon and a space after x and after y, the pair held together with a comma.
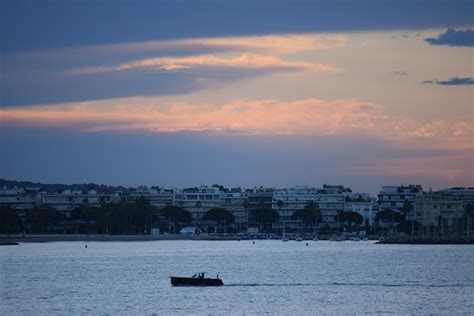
x: 265, y: 277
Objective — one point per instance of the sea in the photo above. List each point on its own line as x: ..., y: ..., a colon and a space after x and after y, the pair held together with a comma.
x: 261, y: 277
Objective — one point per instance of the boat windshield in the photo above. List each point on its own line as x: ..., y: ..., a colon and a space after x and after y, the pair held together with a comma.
x: 199, y: 275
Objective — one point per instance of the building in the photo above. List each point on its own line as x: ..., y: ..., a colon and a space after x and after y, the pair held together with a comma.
x: 155, y: 196
x: 363, y: 204
x: 259, y: 198
x: 428, y: 208
x: 67, y: 200
x: 287, y: 201
x: 465, y: 195
x: 440, y: 212
x: 331, y: 202
x: 21, y: 199
x: 394, y: 197
x: 235, y: 201
x: 198, y: 201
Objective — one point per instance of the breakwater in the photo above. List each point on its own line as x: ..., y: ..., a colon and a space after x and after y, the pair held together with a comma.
x: 429, y: 241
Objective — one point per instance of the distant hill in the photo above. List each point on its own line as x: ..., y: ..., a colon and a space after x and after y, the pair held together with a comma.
x: 101, y: 188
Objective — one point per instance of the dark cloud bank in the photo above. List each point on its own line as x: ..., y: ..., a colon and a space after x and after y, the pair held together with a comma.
x: 454, y: 37
x: 456, y: 81
x: 32, y: 24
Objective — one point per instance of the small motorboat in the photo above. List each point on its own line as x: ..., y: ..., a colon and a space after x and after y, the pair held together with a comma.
x: 196, y: 280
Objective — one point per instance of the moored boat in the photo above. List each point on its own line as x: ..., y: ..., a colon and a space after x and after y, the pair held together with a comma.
x: 196, y: 280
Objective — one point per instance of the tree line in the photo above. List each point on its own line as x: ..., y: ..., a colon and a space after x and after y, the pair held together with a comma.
x: 140, y: 216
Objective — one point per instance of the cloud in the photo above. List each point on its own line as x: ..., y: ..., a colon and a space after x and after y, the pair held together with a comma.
x: 255, y: 117
x: 158, y: 67
x: 454, y: 37
x: 245, y: 62
x: 446, y: 166
x: 455, y: 81
x: 273, y: 43
x: 339, y: 139
x: 270, y: 44
x: 127, y: 22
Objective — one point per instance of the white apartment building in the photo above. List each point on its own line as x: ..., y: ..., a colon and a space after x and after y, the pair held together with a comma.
x: 331, y: 202
x: 465, y: 195
x: 287, y: 201
x: 155, y: 196
x: 361, y: 203
x: 234, y: 201
x: 21, y: 199
x: 68, y: 200
x: 198, y: 201
x: 393, y: 197
x: 432, y: 206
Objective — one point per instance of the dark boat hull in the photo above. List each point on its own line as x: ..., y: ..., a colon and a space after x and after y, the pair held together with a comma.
x: 177, y: 281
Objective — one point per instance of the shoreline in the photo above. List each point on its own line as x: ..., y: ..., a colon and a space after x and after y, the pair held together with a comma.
x: 6, y: 240
x: 15, y: 239
x: 428, y: 241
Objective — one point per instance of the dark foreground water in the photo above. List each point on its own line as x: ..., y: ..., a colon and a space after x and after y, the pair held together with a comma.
x: 268, y: 277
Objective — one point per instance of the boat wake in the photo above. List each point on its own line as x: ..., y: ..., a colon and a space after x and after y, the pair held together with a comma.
x: 270, y: 284
x: 347, y: 284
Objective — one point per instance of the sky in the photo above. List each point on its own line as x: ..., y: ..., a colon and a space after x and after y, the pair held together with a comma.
x: 240, y: 93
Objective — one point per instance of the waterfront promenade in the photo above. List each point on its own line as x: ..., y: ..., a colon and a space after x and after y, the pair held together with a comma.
x: 40, y: 238
x: 32, y: 238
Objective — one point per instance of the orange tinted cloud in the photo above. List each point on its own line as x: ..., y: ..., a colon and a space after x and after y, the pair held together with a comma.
x: 309, y: 116
x: 272, y: 43
x: 244, y: 61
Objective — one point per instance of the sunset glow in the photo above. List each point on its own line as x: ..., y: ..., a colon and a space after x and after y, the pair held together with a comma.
x: 381, y: 97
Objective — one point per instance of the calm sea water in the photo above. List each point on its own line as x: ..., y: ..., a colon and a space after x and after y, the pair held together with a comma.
x: 268, y: 277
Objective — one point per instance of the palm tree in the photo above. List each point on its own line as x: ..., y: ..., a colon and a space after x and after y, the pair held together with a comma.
x: 407, y: 209
x: 264, y: 215
x: 102, y: 200
x: 219, y: 215
x: 198, y: 206
x: 86, y: 207
x: 313, y: 207
x: 468, y: 211
x: 442, y: 223
x: 71, y: 202
x: 246, y: 205
x: 280, y: 205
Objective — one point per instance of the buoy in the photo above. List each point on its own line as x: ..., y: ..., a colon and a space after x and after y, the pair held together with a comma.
x: 306, y: 244
x: 254, y: 242
x: 86, y: 246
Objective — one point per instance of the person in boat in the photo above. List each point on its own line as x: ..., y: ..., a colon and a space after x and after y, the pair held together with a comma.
x: 199, y: 275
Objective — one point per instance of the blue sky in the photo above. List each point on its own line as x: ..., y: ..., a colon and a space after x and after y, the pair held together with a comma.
x: 245, y: 93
